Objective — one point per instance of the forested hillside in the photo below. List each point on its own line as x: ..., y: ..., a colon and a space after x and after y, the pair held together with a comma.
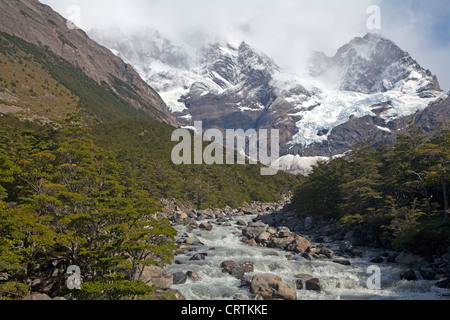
x: 145, y: 147
x: 399, y: 193
x: 65, y: 200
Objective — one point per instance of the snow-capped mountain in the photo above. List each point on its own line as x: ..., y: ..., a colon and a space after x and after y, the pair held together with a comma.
x: 373, y: 64
x: 361, y: 93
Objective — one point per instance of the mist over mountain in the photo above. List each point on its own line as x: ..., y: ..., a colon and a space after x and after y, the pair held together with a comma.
x: 360, y: 93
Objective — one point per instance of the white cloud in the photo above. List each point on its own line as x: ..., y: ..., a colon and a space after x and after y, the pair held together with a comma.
x: 284, y: 29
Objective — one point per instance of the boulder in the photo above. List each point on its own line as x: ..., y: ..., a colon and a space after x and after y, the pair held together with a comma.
x: 356, y: 237
x: 250, y: 211
x: 239, y: 296
x: 254, y: 229
x: 267, y: 219
x: 309, y: 221
x: 179, y: 278
x: 206, y: 226
x: 285, y: 234
x: 180, y: 215
x: 228, y: 265
x: 299, y: 245
x: 428, y: 273
x: 37, y: 297
x: 313, y: 284
x: 328, y: 253
x: 270, y: 286
x: 444, y: 283
x: 162, y: 283
x: 241, y: 223
x: 192, y: 226
x: 342, y: 262
x: 280, y: 242
x: 247, y: 267
x: 237, y: 272
x: 192, y: 241
x: 178, y: 295
x: 345, y: 246
x: 409, y: 259
x: 192, y: 214
x: 312, y: 249
x: 156, y: 276
x: 409, y: 275
x: 377, y: 260
x: 198, y: 257
x: 192, y: 276
x: 245, y: 282
x: 284, y: 231
x: 301, y: 279
x: 391, y: 257
x: 263, y: 237
x: 303, y: 255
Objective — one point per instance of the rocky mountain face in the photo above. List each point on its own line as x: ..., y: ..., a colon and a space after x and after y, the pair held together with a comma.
x: 373, y: 64
x: 38, y: 24
x: 222, y: 84
x: 371, y: 89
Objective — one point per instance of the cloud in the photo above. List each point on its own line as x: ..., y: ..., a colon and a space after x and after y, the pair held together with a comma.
x: 286, y: 30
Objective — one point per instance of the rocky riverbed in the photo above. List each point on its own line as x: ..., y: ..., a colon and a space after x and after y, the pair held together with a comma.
x: 263, y: 251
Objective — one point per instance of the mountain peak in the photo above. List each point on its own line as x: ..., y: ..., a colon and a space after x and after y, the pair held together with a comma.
x: 374, y: 36
x: 373, y: 64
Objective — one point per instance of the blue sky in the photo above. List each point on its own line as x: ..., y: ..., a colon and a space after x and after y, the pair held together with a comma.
x: 423, y: 29
x: 285, y: 29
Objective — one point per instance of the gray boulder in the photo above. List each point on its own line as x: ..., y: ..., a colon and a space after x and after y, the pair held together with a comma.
x: 254, y: 229
x: 198, y: 257
x: 179, y: 278
x: 309, y: 221
x: 155, y: 276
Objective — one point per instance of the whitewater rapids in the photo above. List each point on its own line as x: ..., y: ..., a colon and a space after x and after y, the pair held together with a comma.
x: 339, y: 282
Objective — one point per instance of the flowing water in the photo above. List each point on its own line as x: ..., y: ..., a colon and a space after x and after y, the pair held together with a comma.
x: 338, y: 281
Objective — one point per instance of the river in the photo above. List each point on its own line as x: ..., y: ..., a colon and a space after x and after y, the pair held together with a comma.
x: 339, y: 282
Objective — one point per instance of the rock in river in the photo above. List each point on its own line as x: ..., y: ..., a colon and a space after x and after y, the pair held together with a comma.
x: 270, y: 286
